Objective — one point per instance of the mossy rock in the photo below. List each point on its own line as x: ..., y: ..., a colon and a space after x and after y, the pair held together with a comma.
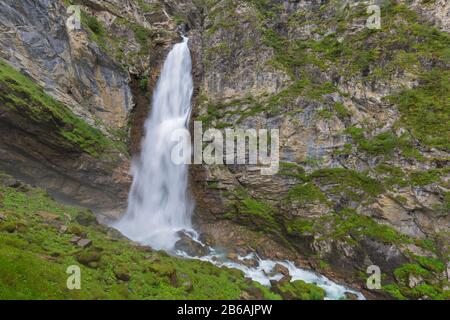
x: 86, y: 218
x: 76, y: 230
x: 298, y: 290
x: 8, y: 227
x: 122, y: 273
x: 91, y: 258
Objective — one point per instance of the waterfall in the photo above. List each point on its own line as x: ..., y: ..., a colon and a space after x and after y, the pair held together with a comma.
x: 158, y: 204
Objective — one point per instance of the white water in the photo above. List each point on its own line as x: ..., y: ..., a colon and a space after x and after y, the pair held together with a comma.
x: 159, y: 205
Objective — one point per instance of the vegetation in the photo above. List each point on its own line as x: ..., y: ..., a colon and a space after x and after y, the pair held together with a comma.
x: 36, y: 252
x: 354, y: 185
x: 257, y: 213
x: 21, y: 95
x: 299, y: 290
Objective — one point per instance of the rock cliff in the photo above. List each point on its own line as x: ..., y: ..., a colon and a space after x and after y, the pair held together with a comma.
x: 363, y: 117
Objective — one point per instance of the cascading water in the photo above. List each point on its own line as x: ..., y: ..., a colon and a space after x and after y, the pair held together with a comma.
x: 159, y: 205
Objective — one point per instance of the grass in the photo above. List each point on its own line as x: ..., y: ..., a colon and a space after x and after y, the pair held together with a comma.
x: 20, y: 95
x: 35, y: 254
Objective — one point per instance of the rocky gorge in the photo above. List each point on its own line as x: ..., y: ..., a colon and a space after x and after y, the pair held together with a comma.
x: 364, y: 134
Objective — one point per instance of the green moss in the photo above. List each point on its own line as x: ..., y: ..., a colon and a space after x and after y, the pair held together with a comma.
x: 393, y: 177
x: 95, y: 29
x: 385, y: 143
x: 289, y: 169
x: 306, y: 193
x: 341, y: 110
x: 405, y: 44
x: 446, y: 204
x: 258, y: 209
x: 394, y: 291
x: 423, y: 178
x: 410, y: 269
x: 348, y: 222
x: 431, y: 264
x: 354, y: 185
x: 430, y: 285
x: 142, y: 35
x: 20, y: 95
x: 33, y: 263
x: 426, y: 109
x: 299, y: 290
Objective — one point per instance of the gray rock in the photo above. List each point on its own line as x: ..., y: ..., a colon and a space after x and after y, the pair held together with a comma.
x: 281, y: 269
x: 191, y: 247
x: 75, y: 239
x: 84, y: 243
x: 350, y: 296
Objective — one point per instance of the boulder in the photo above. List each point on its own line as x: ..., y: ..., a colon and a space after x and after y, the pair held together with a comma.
x: 298, y: 290
x: 84, y: 243
x: 75, y: 239
x: 122, y: 274
x: 187, y: 286
x: 350, y: 296
x: 207, y: 239
x: 47, y: 216
x: 233, y: 257
x: 190, y: 246
x: 89, y: 258
x: 281, y: 269
x: 86, y: 218
x: 251, y: 263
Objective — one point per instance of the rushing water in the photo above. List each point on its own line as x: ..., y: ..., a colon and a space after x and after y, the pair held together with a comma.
x: 159, y: 205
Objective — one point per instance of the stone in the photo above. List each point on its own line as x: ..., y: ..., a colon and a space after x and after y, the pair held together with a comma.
x: 285, y: 279
x: 233, y: 257
x: 89, y: 258
x: 414, y: 281
x: 207, y: 239
x: 350, y: 296
x: 245, y: 296
x: 63, y: 229
x: 75, y: 239
x: 86, y: 218
x: 84, y: 243
x: 190, y: 246
x: 281, y: 269
x: 3, y: 217
x: 76, y: 230
x: 48, y: 216
x: 251, y: 263
x: 188, y: 286
x: 122, y: 275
